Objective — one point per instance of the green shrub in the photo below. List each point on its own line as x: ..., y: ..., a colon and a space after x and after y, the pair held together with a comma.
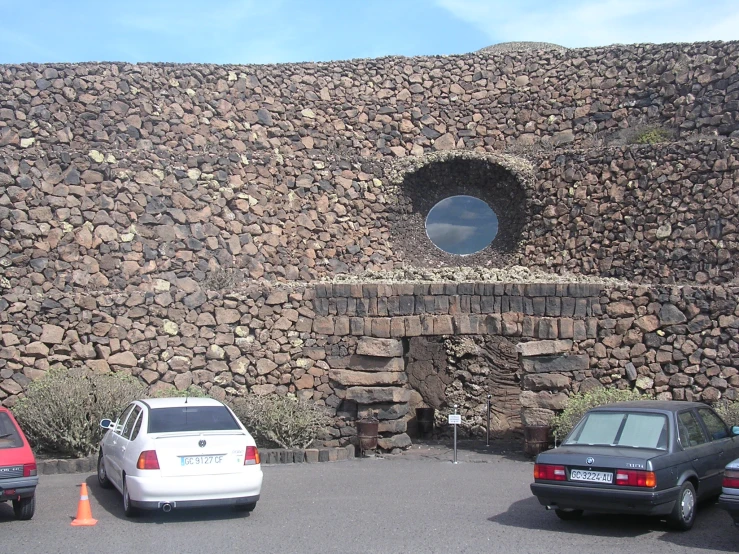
x: 652, y: 135
x: 282, y: 421
x: 61, y: 412
x: 729, y: 411
x: 580, y: 403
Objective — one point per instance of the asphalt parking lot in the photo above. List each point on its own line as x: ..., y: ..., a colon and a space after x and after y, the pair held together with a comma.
x: 415, y: 502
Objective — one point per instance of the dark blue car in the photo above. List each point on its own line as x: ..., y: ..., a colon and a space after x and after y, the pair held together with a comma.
x: 646, y: 457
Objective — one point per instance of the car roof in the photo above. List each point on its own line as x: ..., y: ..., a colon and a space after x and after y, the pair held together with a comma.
x: 652, y: 405
x: 178, y: 401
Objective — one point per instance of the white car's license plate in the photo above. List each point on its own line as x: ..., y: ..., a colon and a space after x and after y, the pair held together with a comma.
x: 593, y: 476
x: 201, y: 460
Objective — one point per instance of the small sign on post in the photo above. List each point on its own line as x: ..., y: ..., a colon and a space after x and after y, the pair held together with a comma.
x: 455, y: 419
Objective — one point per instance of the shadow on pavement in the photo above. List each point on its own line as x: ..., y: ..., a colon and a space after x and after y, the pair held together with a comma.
x: 6, y: 512
x: 713, y: 528
x: 468, y: 450
x: 110, y: 500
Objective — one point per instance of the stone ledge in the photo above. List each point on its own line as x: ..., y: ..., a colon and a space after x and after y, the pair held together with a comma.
x: 270, y: 456
x: 67, y: 465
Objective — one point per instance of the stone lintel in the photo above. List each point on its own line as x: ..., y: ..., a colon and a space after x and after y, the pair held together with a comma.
x: 555, y: 364
x: 543, y: 347
x: 380, y: 347
x: 350, y: 378
x: 375, y: 395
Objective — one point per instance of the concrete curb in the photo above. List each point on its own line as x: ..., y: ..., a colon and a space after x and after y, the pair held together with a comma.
x: 270, y: 456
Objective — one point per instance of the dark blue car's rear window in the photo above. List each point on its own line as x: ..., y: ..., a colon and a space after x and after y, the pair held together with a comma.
x: 191, y: 418
x: 638, y: 430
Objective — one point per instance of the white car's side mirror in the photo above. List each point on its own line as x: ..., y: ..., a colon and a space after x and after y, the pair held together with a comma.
x: 107, y: 424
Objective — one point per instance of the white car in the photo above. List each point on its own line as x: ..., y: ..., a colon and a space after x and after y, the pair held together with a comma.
x: 165, y: 453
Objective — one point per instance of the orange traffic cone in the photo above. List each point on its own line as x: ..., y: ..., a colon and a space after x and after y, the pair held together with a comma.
x: 84, y: 515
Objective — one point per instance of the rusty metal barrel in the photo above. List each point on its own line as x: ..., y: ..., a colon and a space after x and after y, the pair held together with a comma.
x: 537, y: 438
x: 367, y: 431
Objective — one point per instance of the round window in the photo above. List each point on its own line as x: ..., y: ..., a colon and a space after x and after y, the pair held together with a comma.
x: 461, y: 225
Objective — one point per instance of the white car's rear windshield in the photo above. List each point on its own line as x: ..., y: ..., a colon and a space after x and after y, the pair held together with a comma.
x: 9, y: 437
x: 638, y: 430
x: 191, y: 418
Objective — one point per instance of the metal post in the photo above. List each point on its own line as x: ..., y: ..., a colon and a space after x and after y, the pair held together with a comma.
x: 455, y: 436
x: 488, y: 426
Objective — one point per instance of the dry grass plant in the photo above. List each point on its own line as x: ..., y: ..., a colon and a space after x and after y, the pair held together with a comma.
x: 61, y: 412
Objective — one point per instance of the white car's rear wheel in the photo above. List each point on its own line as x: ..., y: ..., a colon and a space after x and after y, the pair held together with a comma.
x: 128, y: 509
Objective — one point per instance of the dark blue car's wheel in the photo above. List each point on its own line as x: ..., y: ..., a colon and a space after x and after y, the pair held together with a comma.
x: 683, y: 514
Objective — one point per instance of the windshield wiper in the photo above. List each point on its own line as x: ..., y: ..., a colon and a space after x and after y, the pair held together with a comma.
x: 5, y: 436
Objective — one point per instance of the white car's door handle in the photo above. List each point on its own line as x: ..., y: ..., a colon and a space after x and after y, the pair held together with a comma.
x: 123, y: 448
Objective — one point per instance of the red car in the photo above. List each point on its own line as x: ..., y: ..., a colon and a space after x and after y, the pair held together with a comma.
x: 18, y: 473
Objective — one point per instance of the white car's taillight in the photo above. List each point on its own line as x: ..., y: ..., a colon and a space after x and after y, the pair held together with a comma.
x: 252, y: 456
x: 148, y: 460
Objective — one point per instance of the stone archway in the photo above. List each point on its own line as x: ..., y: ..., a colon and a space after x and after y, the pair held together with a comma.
x: 463, y: 370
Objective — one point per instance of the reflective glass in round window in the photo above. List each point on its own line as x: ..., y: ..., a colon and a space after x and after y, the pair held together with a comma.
x: 461, y: 225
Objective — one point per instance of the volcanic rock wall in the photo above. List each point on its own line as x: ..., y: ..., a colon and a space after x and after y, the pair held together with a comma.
x: 175, y: 221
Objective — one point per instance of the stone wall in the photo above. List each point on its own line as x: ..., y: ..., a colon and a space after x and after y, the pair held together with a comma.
x: 251, y: 229
x: 347, y: 345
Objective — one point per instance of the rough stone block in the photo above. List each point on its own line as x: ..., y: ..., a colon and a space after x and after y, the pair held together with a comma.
x: 553, y: 306
x: 323, y: 325
x: 543, y: 399
x: 462, y: 325
x: 413, y: 326
x: 374, y: 395
x: 548, y: 328
x: 555, y: 364
x: 350, y: 378
x: 378, y: 347
x: 443, y: 325
x: 393, y: 426
x: 380, y: 327
x: 323, y: 454
x: 543, y: 347
x: 286, y: 456
x: 341, y: 326
x: 545, y: 381
x: 398, y: 441
x: 383, y: 411
x: 311, y: 455
x: 369, y: 363
x: 536, y: 416
x: 397, y: 327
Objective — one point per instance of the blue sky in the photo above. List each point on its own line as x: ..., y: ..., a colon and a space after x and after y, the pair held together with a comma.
x: 278, y: 31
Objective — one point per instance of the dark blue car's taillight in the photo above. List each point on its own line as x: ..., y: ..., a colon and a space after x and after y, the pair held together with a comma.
x: 550, y: 472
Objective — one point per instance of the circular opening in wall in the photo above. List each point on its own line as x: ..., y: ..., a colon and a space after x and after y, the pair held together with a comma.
x: 461, y: 225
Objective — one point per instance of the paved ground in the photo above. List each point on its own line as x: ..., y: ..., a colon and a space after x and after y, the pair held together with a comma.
x: 415, y: 502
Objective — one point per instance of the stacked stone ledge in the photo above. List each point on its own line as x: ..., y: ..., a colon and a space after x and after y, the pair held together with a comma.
x: 374, y: 380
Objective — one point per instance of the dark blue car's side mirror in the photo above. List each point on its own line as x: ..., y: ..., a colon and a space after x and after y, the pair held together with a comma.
x: 735, y: 430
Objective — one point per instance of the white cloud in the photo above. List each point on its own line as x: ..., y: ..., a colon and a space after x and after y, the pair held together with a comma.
x: 447, y: 235
x: 578, y: 23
